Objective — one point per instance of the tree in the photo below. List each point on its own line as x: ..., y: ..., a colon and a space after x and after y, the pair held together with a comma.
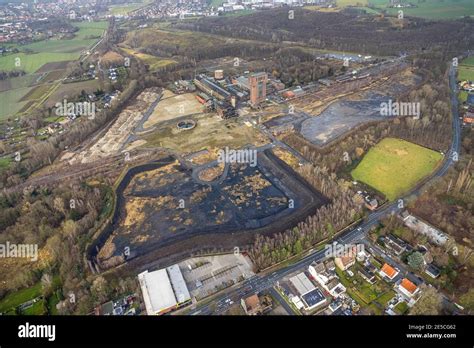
x: 428, y: 304
x: 100, y: 289
x: 467, y: 300
x: 415, y: 260
x: 46, y: 284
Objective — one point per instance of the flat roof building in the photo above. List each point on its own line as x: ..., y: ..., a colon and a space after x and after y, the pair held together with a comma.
x: 178, y: 284
x: 163, y: 290
x: 157, y: 292
x: 302, y: 284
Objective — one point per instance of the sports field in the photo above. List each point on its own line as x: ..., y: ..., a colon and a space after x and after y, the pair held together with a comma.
x: 393, y: 166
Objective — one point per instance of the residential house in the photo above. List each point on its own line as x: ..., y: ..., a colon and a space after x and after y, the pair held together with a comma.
x: 335, y: 305
x: 470, y: 99
x: 346, y: 261
x: 408, y: 290
x: 388, y: 271
x: 362, y: 255
x: 371, y: 204
x: 367, y: 272
x: 324, y: 274
x: 335, y: 288
x: 395, y: 244
x: 468, y: 118
x: 432, y: 271
x: 251, y: 305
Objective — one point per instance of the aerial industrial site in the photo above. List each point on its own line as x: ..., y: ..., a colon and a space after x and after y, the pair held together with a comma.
x: 236, y: 158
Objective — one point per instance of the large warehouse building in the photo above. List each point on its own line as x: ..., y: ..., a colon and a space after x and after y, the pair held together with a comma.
x: 163, y: 290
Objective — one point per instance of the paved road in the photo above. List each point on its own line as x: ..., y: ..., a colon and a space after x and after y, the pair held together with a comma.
x: 259, y: 283
x: 276, y: 295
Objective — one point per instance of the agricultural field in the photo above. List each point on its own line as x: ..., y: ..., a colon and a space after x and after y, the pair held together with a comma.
x: 44, y: 61
x: 9, y: 101
x: 68, y: 90
x: 431, y: 9
x: 32, y: 62
x: 49, y: 51
x: 394, y: 166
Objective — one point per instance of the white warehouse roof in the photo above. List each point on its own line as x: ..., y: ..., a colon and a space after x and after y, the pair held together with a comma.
x: 177, y: 282
x: 157, y: 291
x: 302, y: 284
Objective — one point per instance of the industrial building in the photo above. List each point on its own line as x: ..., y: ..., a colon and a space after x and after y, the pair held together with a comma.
x: 258, y: 88
x: 163, y: 290
x: 210, y: 87
x: 309, y: 296
x: 225, y: 94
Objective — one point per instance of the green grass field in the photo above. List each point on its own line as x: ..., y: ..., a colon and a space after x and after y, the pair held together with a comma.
x: 466, y: 69
x: 393, y: 166
x: 4, y: 163
x: 32, y: 62
x: 462, y: 96
x: 468, y: 61
x: 39, y: 308
x: 358, y: 3
x: 217, y: 3
x: 401, y: 308
x: 9, y: 101
x: 18, y: 297
x: 124, y: 9
x: 466, y: 73
x: 432, y: 9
